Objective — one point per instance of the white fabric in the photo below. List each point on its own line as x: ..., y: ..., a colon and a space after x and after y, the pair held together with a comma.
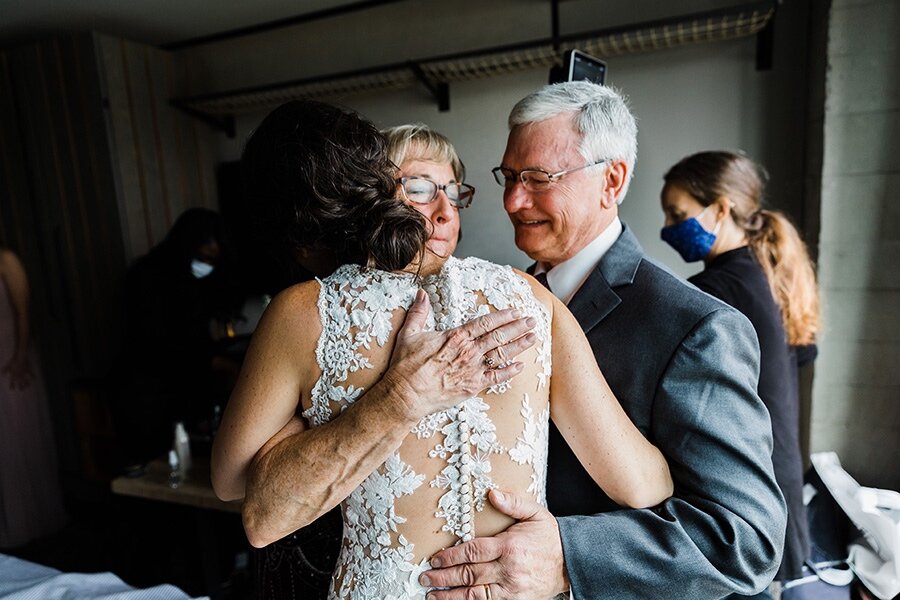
x: 23, y: 580
x: 567, y: 277
x: 875, y: 558
x: 356, y: 307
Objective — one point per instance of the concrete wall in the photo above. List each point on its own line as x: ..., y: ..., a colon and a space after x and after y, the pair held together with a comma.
x: 856, y: 402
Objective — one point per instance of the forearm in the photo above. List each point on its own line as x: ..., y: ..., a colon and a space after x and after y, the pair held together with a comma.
x: 647, y: 481
x: 630, y: 469
x: 19, y: 293
x: 621, y: 461
x: 293, y: 482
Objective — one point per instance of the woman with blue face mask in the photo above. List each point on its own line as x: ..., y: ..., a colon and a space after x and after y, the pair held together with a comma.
x: 754, y: 260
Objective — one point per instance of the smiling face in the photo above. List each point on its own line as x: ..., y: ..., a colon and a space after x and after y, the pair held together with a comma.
x: 443, y: 217
x: 553, y: 225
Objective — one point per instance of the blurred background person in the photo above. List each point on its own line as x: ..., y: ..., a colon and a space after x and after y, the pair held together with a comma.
x: 30, y: 499
x: 171, y: 367
x: 755, y: 261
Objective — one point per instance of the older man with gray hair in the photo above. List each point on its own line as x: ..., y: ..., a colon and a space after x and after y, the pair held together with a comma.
x: 684, y: 366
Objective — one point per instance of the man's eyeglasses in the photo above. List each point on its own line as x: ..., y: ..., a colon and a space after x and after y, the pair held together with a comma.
x: 424, y: 191
x: 534, y: 180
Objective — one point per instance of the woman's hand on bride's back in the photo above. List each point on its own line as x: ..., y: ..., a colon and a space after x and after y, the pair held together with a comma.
x: 434, y: 370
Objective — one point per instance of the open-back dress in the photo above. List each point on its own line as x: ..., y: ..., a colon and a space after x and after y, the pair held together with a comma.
x: 432, y: 492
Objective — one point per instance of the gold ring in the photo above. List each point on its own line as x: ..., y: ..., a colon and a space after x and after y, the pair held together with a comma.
x: 487, y: 591
x: 489, y: 362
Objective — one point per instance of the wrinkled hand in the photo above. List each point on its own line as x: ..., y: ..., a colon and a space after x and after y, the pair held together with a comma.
x: 439, y: 369
x: 525, y: 562
x: 19, y: 372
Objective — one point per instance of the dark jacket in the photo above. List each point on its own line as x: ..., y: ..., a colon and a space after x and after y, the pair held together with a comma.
x: 736, y: 278
x: 684, y: 367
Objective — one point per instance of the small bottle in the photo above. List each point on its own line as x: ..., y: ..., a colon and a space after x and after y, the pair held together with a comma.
x: 174, y: 470
x: 182, y: 447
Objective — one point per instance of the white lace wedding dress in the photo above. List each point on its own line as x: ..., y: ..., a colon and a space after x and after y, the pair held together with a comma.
x: 431, y: 493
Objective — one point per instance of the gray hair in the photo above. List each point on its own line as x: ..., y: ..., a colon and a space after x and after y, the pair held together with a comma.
x: 421, y: 141
x: 599, y: 113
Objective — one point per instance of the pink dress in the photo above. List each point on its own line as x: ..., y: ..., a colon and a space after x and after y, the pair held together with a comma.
x: 30, y: 497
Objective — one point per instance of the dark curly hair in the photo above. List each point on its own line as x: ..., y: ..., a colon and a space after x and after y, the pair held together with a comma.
x: 318, y: 177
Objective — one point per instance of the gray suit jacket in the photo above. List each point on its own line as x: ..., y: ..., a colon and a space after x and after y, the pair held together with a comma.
x: 685, y: 368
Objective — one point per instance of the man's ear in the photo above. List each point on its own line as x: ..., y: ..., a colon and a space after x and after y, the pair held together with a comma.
x: 614, y: 183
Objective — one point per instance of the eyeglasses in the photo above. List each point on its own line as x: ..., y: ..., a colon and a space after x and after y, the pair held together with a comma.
x: 534, y: 180
x: 423, y: 191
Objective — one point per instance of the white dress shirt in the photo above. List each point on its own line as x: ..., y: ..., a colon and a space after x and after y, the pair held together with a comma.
x: 567, y: 277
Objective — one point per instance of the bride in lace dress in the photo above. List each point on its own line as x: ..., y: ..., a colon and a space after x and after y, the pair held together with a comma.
x: 321, y: 345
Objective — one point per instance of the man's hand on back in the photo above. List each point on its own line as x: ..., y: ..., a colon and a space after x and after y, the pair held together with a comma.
x: 525, y: 562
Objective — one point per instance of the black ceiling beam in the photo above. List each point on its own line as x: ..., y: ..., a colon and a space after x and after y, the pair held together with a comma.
x: 554, y: 23
x: 440, y: 90
x: 276, y: 24
x: 223, y: 123
x: 573, y: 37
x: 765, y: 46
x: 184, y: 102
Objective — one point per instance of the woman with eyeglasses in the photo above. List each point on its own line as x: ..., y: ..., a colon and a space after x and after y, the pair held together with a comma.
x: 430, y: 177
x: 413, y: 474
x: 755, y: 261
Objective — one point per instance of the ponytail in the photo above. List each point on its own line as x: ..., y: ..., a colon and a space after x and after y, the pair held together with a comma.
x: 708, y: 176
x: 784, y: 259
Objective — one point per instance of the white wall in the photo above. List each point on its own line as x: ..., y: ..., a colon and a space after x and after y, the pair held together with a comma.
x: 685, y: 100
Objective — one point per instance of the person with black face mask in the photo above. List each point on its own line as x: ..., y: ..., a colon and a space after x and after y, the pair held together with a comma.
x: 756, y: 262
x: 170, y: 368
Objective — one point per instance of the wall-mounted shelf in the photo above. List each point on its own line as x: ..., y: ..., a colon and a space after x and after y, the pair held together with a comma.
x: 437, y: 73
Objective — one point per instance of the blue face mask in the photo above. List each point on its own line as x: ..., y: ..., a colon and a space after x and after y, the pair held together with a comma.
x: 200, y: 269
x: 690, y: 239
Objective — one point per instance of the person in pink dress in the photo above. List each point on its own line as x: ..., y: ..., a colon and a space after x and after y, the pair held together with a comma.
x: 30, y: 498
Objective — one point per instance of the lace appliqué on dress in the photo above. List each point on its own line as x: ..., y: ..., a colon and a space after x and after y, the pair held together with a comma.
x: 532, y: 448
x: 356, y: 307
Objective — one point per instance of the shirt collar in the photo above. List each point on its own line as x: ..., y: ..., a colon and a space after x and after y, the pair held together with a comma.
x: 567, y: 277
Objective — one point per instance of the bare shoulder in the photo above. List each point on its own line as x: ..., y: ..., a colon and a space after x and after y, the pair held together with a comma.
x: 543, y: 295
x: 293, y: 314
x: 302, y: 296
x: 563, y: 321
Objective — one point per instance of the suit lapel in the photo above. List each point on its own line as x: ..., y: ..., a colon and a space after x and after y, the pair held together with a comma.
x: 596, y: 298
x: 593, y: 301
